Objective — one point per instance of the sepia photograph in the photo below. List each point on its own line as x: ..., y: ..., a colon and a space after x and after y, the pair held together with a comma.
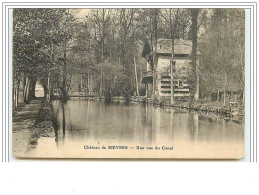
x: 138, y: 83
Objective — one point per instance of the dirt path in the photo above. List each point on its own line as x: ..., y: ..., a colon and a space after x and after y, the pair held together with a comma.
x: 23, y: 122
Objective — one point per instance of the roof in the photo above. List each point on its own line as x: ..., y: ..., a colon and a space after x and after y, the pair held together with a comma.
x: 180, y: 46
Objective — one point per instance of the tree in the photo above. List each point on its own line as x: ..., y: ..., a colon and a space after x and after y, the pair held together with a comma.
x: 55, y: 48
x: 194, y: 37
x: 173, y: 27
x: 37, y: 37
x: 222, y: 48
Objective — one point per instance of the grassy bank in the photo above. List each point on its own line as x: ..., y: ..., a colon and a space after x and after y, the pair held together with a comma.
x: 216, y: 107
x: 43, y: 126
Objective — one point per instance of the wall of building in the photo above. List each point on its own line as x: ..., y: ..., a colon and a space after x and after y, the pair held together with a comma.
x: 163, y: 82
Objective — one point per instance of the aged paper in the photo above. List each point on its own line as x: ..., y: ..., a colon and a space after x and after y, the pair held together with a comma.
x: 128, y: 83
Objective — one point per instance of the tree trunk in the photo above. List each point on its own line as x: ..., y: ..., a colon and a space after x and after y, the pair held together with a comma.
x: 47, y: 96
x: 16, y: 88
x: 194, y: 31
x: 154, y: 55
x: 225, y: 87
x: 146, y: 87
x: 135, y: 63
x: 17, y: 95
x: 23, y: 88
x: 197, y: 89
x: 91, y: 85
x: 26, y: 89
x: 136, y: 75
x: 32, y: 88
x: 88, y: 82
x: 103, y: 39
x: 81, y: 84
x: 63, y: 90
x: 172, y: 33
x: 101, y: 82
x: 172, y: 57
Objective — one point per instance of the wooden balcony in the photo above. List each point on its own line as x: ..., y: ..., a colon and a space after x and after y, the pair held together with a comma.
x: 147, y: 77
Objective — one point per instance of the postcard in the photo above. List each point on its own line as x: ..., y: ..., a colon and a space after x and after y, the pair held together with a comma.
x: 139, y: 83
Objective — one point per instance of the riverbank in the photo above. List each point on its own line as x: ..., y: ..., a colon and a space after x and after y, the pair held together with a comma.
x: 30, y: 122
x: 199, y: 105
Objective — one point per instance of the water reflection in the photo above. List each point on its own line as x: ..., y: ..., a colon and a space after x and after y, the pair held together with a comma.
x: 88, y: 121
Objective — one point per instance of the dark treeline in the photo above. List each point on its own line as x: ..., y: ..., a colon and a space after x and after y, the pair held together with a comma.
x: 100, y: 54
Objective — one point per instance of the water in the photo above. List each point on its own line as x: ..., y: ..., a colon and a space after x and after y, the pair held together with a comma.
x: 94, y: 123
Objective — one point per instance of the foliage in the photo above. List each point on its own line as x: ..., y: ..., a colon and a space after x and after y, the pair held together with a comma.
x: 222, y: 48
x: 97, y: 52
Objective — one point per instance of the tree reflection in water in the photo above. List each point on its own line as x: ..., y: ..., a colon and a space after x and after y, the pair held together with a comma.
x: 87, y: 121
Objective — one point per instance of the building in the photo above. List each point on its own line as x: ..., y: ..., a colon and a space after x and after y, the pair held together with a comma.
x: 161, y: 85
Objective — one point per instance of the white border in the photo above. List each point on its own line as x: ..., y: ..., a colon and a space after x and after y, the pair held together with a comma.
x: 6, y: 83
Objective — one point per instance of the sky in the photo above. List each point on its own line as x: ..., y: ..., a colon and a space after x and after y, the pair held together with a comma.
x: 81, y: 13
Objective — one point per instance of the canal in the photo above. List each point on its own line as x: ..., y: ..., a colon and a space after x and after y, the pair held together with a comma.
x: 82, y: 124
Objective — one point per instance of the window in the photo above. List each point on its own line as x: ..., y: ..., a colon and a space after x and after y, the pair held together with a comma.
x: 166, y: 92
x: 181, y: 55
x: 165, y: 82
x: 166, y: 77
